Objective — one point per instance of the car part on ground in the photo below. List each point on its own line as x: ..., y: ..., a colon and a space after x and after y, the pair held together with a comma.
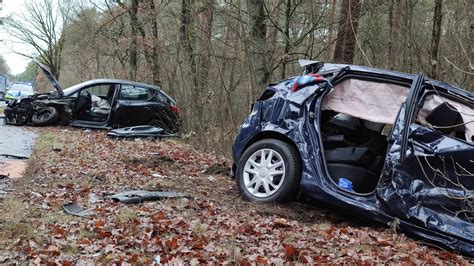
x: 363, y: 147
x: 139, y: 196
x: 76, y: 210
x: 140, y: 132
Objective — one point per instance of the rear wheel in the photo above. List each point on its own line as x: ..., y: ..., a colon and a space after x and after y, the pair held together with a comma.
x: 269, y: 171
x: 45, y: 117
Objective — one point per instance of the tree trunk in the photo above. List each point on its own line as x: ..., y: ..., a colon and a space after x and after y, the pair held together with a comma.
x: 395, y: 26
x: 346, y: 36
x: 133, y: 53
x: 154, y: 53
x: 332, y: 17
x: 286, y: 33
x: 407, y: 57
x: 205, y: 20
x: 257, y: 32
x: 184, y: 35
x: 435, y: 37
x: 471, y: 44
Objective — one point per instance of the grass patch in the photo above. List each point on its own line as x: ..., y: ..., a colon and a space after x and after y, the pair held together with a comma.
x: 45, y: 142
x: 14, y: 212
x: 55, y: 217
x: 86, y: 233
x: 126, y: 215
x: 13, y: 209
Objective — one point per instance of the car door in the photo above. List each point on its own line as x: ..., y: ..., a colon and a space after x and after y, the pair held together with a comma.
x: 428, y: 178
x: 136, y: 106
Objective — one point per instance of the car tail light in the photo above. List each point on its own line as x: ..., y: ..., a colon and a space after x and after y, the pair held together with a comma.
x: 175, y: 109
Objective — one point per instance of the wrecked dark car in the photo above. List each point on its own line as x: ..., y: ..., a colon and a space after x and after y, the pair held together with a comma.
x: 391, y: 147
x: 101, y: 103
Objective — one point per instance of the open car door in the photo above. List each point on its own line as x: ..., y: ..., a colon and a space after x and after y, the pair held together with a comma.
x: 428, y: 179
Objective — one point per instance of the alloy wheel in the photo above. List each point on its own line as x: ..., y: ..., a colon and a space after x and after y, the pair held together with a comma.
x: 264, y: 173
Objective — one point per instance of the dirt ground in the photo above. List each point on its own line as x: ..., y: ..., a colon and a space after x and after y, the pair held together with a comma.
x: 212, y: 225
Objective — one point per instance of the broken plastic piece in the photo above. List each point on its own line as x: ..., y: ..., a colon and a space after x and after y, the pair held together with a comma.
x: 139, y: 132
x: 76, y: 210
x: 138, y: 196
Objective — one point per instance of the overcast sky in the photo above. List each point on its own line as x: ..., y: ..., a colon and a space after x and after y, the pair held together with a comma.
x: 17, y: 63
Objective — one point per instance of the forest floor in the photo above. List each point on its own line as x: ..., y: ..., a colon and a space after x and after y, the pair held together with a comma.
x: 212, y: 225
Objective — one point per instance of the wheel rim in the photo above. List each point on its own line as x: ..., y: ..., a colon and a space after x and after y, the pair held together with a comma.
x: 44, y: 115
x: 264, y: 173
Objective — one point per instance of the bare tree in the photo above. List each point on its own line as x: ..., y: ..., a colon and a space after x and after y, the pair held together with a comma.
x: 471, y: 44
x: 435, y: 37
x: 331, y: 19
x: 133, y: 50
x: 395, y: 15
x: 257, y: 28
x: 42, y: 26
x: 347, y: 32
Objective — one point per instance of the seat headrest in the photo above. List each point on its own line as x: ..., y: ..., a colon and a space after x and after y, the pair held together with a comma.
x: 444, y: 118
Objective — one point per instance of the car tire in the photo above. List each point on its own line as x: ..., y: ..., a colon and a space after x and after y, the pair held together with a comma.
x: 284, y: 179
x: 45, y: 116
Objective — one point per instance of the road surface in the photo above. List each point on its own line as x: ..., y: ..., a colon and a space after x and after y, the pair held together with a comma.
x: 15, y: 142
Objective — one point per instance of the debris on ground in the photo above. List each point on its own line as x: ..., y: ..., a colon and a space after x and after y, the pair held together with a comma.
x: 140, y: 132
x: 139, y: 196
x: 215, y: 227
x: 76, y: 210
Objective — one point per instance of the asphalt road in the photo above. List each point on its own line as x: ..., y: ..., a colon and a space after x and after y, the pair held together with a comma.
x: 16, y: 141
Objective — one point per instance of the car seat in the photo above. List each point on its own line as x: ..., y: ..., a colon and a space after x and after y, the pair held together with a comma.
x: 444, y: 118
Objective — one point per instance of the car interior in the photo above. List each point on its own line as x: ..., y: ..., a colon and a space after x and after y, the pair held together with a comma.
x: 94, y: 103
x: 355, y: 121
x: 357, y: 117
x: 446, y: 116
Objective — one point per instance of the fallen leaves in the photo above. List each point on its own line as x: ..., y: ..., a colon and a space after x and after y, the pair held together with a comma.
x: 214, y: 227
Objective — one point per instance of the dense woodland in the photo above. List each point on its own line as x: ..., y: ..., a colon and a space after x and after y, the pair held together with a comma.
x: 216, y: 56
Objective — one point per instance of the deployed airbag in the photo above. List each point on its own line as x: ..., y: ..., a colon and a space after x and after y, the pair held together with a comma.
x: 373, y: 101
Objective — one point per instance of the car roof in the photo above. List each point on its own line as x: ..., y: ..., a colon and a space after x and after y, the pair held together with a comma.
x: 22, y: 85
x: 328, y: 68
x: 71, y: 90
x: 118, y: 81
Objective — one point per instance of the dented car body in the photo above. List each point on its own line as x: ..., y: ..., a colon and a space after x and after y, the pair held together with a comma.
x: 391, y: 147
x: 100, y: 103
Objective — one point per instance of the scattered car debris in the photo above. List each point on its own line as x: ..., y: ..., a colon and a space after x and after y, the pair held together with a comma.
x: 140, y: 132
x: 11, y: 156
x: 385, y: 145
x: 76, y: 210
x: 139, y: 196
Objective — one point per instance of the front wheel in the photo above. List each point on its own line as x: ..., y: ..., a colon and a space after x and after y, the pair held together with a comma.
x: 269, y: 171
x: 45, y: 117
